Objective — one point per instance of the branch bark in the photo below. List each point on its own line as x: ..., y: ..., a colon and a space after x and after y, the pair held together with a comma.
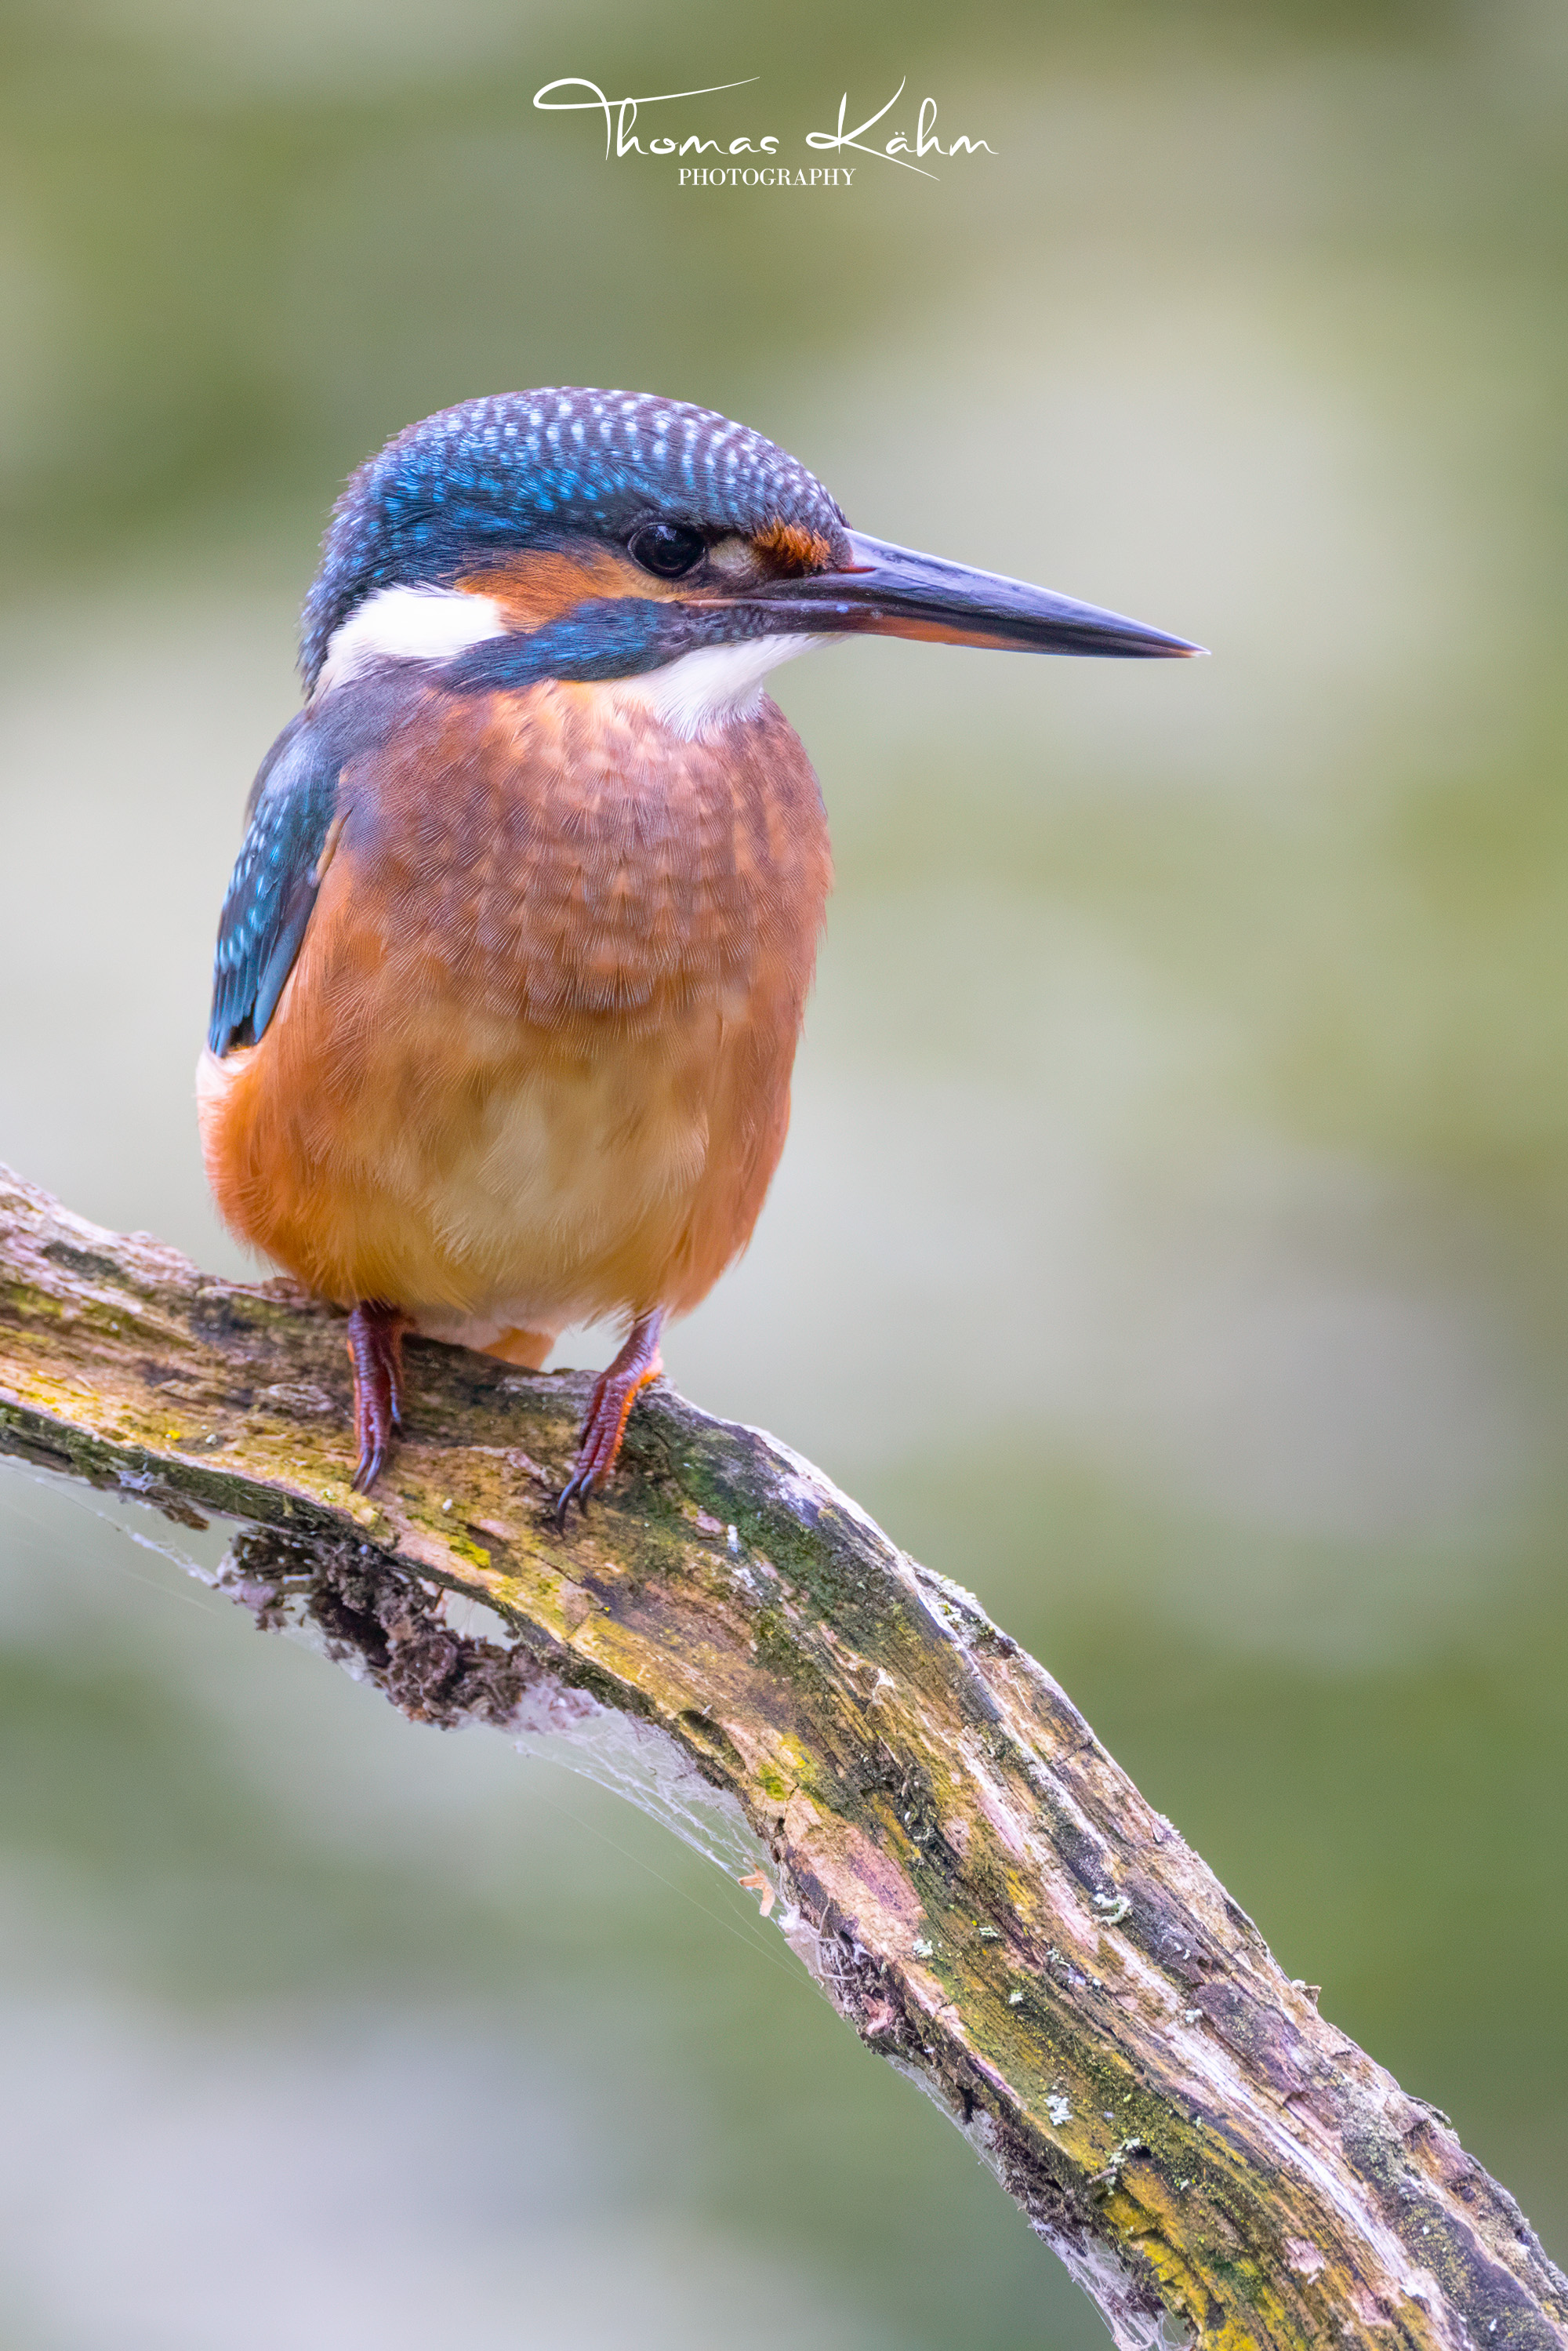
x: 978, y: 1887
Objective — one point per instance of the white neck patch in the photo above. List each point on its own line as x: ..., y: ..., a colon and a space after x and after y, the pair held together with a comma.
x: 408, y: 624
x: 711, y: 686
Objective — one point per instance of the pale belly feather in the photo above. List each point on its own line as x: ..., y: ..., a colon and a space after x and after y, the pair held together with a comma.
x: 543, y: 1199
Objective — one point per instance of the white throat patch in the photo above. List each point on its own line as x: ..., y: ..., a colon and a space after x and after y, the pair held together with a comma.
x: 408, y: 624
x: 711, y: 686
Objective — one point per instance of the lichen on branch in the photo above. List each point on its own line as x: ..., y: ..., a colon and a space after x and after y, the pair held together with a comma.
x: 978, y: 1885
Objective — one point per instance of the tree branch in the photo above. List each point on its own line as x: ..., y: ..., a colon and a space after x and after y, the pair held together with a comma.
x: 977, y: 1887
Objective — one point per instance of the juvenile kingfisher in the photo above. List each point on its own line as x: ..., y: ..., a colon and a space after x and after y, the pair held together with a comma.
x: 512, y: 964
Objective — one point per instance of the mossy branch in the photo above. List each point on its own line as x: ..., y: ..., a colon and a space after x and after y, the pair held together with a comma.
x: 981, y: 1891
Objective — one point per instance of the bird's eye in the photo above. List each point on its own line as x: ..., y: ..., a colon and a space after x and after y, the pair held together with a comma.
x: 668, y: 549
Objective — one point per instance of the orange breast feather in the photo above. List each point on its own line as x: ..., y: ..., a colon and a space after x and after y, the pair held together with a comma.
x: 532, y: 1064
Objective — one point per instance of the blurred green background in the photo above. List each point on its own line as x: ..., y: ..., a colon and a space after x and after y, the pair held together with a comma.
x: 1170, y: 1240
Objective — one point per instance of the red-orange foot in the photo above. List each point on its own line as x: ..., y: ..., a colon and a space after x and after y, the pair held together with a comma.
x: 375, y: 1350
x: 609, y: 1409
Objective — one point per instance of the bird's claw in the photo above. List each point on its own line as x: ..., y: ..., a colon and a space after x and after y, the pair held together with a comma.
x: 615, y: 1392
x: 375, y: 1350
x: 370, y: 1468
x: 576, y: 1489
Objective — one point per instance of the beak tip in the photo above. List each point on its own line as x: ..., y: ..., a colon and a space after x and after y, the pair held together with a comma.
x: 1156, y: 644
x: 1160, y: 642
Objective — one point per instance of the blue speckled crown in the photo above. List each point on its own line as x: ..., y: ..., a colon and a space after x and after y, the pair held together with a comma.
x: 523, y: 467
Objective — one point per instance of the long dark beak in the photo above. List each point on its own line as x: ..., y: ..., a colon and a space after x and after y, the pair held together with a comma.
x: 894, y: 592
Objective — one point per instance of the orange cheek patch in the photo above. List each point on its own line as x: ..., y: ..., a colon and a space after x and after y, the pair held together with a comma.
x: 791, y: 549
x: 538, y: 588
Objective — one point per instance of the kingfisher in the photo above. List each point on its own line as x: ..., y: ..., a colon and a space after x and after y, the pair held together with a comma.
x: 514, y: 959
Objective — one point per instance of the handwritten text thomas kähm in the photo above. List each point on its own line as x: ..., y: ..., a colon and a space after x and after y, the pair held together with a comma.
x: 622, y: 139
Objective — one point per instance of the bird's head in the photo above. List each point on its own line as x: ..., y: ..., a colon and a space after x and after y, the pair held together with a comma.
x: 601, y: 535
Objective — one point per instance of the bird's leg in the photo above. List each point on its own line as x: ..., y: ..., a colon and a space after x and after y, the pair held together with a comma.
x: 614, y: 1393
x: 375, y: 1350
